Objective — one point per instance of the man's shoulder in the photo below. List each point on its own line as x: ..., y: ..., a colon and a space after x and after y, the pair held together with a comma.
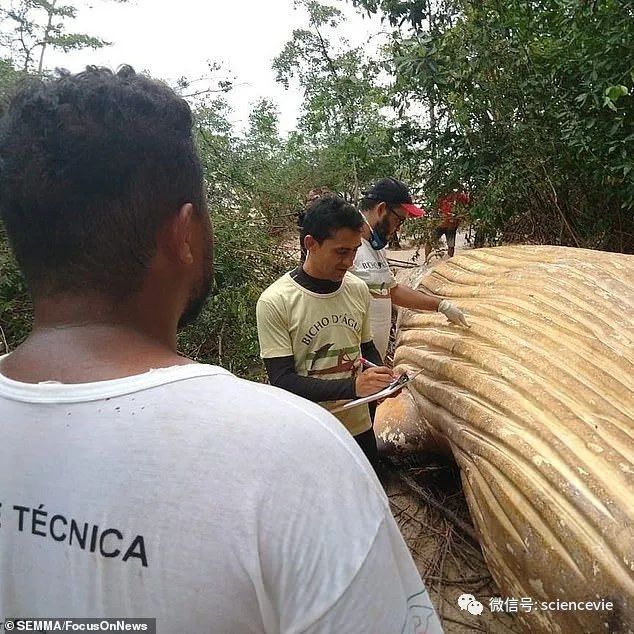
x: 269, y: 418
x: 355, y: 285
x: 245, y: 397
x: 277, y: 289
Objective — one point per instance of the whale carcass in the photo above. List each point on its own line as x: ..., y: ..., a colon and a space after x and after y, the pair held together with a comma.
x: 535, y: 403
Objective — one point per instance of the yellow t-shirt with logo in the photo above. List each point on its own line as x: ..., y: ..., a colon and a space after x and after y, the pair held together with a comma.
x: 323, y: 332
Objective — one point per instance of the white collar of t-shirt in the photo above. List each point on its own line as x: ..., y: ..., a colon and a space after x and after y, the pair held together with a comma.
x: 55, y: 392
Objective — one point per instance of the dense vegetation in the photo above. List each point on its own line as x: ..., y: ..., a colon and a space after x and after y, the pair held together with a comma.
x: 527, y: 105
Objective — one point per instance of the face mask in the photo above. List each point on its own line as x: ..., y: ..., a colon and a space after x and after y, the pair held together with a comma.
x: 377, y: 240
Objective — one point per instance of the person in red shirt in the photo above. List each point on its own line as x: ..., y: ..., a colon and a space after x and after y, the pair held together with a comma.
x: 449, y: 220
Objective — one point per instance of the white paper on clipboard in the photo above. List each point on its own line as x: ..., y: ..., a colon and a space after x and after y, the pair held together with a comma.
x: 392, y: 388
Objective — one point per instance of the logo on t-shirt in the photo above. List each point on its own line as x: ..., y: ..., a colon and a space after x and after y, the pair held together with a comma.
x: 331, y: 357
x: 344, y: 319
x: 371, y: 265
x: 327, y: 360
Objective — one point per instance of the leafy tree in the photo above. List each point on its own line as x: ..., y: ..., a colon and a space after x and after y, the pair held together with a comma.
x: 15, y: 308
x: 9, y: 77
x: 344, y: 120
x: 247, y: 193
x: 528, y: 104
x: 31, y: 27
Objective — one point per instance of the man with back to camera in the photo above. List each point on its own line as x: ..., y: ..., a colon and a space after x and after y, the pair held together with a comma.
x: 385, y: 207
x: 129, y: 487
x: 313, y: 322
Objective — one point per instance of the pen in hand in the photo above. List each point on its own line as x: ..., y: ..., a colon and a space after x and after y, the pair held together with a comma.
x: 367, y: 364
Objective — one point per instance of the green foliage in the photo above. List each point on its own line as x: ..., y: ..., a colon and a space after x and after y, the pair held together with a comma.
x: 9, y: 78
x: 256, y: 183
x: 253, y: 190
x: 343, y: 125
x: 15, y: 307
x: 29, y: 27
x: 247, y: 260
x: 15, y: 311
x: 529, y: 104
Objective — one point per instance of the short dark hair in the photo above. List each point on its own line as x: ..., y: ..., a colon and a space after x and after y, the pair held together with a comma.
x: 91, y: 166
x: 329, y: 214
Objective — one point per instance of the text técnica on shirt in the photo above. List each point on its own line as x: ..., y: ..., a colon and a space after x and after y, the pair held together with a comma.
x: 107, y: 542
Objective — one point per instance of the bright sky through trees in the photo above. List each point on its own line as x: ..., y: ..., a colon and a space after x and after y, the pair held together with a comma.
x: 174, y: 39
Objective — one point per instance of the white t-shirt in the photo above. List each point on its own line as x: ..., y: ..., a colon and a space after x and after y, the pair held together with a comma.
x: 210, y: 503
x: 372, y: 267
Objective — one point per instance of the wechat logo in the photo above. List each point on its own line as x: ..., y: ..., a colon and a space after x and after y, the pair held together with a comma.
x: 470, y: 603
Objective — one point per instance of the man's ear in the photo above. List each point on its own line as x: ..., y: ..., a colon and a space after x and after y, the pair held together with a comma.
x: 381, y: 210
x: 310, y: 242
x: 179, y: 235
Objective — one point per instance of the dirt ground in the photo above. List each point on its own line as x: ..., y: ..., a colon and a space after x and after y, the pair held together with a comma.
x: 408, y: 254
x: 448, y: 559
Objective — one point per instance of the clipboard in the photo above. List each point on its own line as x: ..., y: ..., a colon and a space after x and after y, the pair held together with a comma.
x: 396, y: 386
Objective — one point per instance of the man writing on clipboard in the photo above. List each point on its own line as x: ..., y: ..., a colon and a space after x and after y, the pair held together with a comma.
x: 314, y: 322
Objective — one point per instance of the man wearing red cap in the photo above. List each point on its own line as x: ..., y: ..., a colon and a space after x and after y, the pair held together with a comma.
x: 385, y: 207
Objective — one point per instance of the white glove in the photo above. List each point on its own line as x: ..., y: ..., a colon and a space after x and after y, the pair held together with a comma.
x: 452, y: 313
